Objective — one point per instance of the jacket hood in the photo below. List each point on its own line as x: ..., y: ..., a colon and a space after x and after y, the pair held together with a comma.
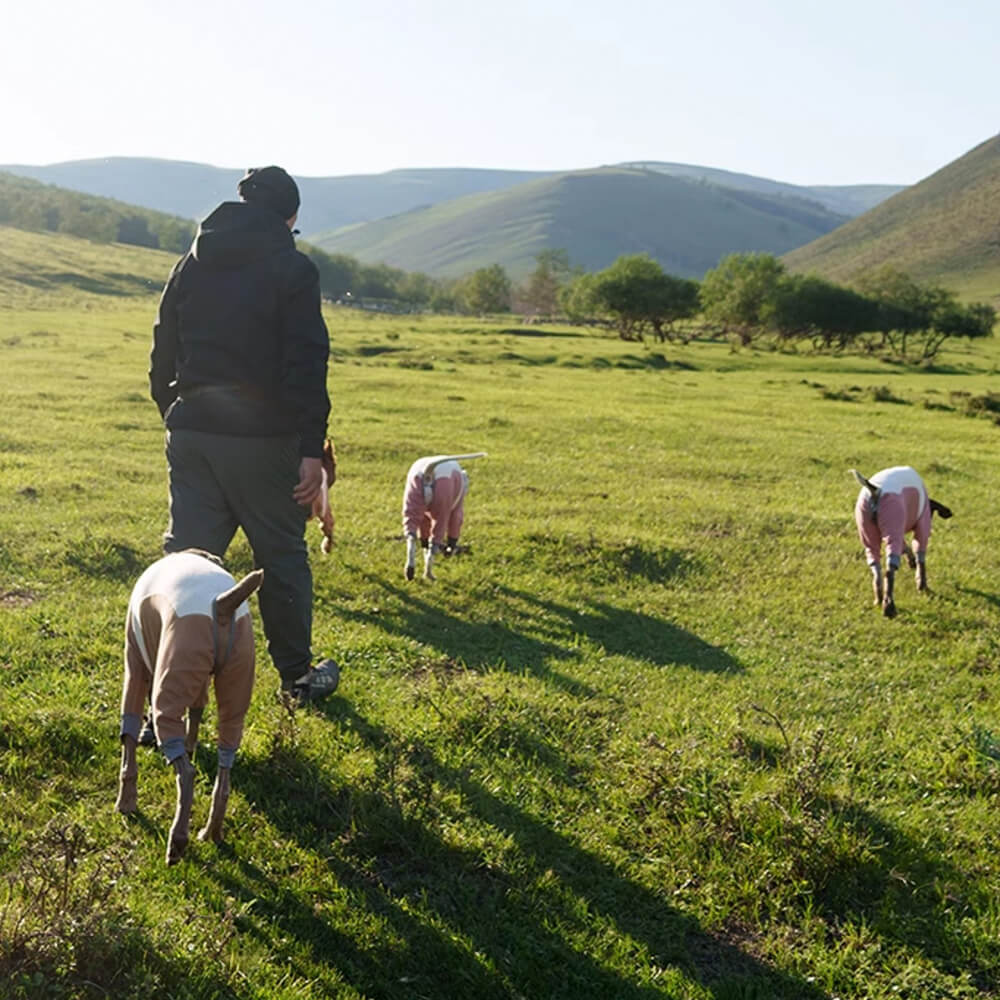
x: 238, y: 232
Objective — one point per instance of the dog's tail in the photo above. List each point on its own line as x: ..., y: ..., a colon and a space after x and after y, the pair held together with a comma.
x: 228, y: 601
x: 866, y: 483
x: 440, y: 459
x: 939, y: 509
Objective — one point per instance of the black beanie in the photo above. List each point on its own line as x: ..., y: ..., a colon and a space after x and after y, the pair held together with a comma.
x: 270, y: 187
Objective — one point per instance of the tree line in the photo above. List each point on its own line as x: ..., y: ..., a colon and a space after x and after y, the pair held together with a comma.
x: 751, y: 297
x: 747, y: 298
x: 29, y: 204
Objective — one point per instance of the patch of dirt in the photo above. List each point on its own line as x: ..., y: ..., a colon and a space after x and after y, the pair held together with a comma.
x: 17, y: 598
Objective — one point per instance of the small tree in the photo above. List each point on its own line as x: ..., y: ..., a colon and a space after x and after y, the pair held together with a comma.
x: 638, y: 295
x: 740, y: 292
x: 952, y: 319
x: 829, y: 314
x: 926, y: 314
x: 541, y: 293
x: 487, y: 290
x: 578, y: 299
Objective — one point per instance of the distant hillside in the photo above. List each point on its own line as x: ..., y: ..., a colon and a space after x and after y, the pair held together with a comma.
x: 29, y: 204
x: 596, y: 215
x: 192, y: 190
x: 946, y: 228
x: 40, y: 268
x: 850, y: 199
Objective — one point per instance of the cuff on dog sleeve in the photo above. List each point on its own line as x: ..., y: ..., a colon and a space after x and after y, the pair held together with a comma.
x: 226, y: 756
x: 173, y: 749
x: 131, y: 724
x: 893, y: 562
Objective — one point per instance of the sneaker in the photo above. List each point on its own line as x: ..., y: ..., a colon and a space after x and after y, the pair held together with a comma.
x: 320, y: 681
x: 147, y: 737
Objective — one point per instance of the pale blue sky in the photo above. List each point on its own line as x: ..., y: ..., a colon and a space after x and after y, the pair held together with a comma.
x: 811, y: 93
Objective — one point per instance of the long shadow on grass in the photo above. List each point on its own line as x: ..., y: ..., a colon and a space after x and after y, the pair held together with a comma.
x: 902, y: 891
x: 527, y: 632
x: 442, y: 921
x: 534, y: 924
x: 625, y: 632
x: 476, y: 644
x: 993, y: 599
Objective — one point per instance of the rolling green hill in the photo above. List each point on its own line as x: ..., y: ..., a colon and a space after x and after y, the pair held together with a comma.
x: 944, y: 229
x: 35, y: 265
x: 596, y: 215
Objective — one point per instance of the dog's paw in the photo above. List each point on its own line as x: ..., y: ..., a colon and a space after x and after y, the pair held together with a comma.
x: 212, y: 832
x: 176, y: 847
x: 128, y: 799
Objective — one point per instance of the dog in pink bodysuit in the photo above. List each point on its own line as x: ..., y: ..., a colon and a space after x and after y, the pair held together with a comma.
x: 188, y: 625
x: 434, y: 508
x: 891, y: 504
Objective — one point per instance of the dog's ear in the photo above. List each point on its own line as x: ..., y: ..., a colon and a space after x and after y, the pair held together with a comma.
x: 330, y: 462
x: 228, y: 601
x: 939, y: 509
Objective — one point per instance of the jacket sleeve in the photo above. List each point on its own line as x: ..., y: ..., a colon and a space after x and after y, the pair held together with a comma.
x: 163, y: 356
x: 306, y: 351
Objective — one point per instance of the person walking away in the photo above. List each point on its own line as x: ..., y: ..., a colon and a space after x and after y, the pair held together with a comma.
x: 238, y: 370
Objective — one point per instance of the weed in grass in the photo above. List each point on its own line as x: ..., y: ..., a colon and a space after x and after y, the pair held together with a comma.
x: 62, y: 918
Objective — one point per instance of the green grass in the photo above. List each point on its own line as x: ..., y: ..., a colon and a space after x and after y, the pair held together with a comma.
x: 46, y: 270
x: 648, y: 738
x: 942, y: 229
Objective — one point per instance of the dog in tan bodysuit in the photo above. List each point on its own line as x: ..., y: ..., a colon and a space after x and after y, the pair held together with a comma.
x: 188, y: 624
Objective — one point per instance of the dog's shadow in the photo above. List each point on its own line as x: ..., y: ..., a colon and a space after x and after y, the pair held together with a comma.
x: 526, y: 632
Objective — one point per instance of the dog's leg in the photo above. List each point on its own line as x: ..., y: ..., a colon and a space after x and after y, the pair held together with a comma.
x: 911, y: 559
x: 217, y: 813
x: 429, y: 560
x: 178, y: 840
x: 127, y: 801
x: 921, y: 575
x: 888, y: 602
x: 411, y: 557
x: 876, y: 583
x: 194, y: 718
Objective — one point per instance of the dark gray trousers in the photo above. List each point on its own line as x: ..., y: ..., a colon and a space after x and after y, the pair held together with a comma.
x: 221, y: 482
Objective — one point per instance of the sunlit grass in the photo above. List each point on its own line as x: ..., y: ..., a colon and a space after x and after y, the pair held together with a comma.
x: 647, y: 738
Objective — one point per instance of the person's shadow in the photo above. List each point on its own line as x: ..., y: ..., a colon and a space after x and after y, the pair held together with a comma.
x: 457, y: 922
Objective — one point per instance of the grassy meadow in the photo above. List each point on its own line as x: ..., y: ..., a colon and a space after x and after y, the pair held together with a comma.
x: 646, y: 738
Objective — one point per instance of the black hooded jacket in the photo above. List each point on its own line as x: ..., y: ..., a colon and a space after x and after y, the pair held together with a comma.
x: 239, y: 343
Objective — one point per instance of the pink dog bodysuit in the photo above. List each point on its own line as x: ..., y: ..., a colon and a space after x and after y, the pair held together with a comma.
x: 434, y: 502
x: 902, y: 506
x: 174, y: 644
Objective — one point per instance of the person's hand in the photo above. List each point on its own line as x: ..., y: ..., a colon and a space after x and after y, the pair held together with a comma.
x: 310, y: 481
